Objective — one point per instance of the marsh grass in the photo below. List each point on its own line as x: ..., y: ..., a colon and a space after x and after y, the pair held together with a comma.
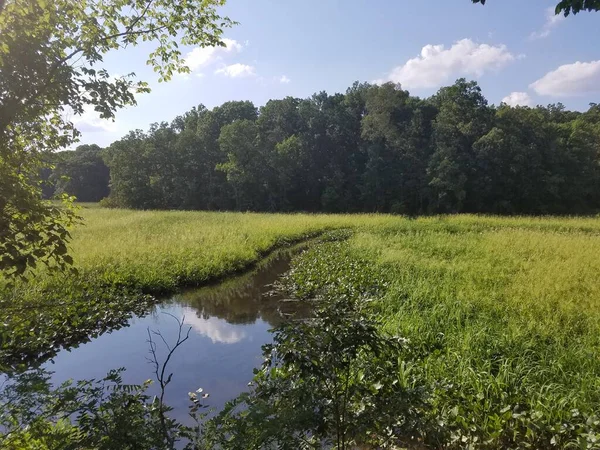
x: 125, y: 259
x: 502, y: 314
x: 503, y: 320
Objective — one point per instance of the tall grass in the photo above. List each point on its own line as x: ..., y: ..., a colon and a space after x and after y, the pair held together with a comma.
x: 500, y: 312
x: 162, y: 250
x: 502, y: 318
x: 505, y: 321
x: 122, y: 255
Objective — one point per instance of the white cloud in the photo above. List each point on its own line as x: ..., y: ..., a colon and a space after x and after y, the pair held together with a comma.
x: 518, y: 99
x: 90, y: 122
x: 217, y: 330
x: 204, y: 56
x: 570, y: 80
x: 237, y: 71
x: 284, y: 79
x: 552, y: 20
x: 437, y: 65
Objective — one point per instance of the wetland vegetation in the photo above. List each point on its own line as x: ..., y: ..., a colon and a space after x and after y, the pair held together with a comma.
x: 407, y: 319
x: 495, y: 320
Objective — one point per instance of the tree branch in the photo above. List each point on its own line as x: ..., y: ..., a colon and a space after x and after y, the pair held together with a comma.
x: 160, y: 370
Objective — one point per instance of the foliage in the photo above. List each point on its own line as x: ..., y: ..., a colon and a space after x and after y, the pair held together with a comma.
x: 376, y: 148
x: 332, y: 380
x: 575, y: 6
x: 61, y: 315
x: 93, y: 414
x: 569, y: 6
x: 125, y: 259
x: 122, y: 255
x: 494, y: 363
x: 500, y: 317
x: 81, y: 173
x: 503, y: 322
x: 50, y: 67
x: 490, y: 366
x: 96, y: 415
x: 32, y: 231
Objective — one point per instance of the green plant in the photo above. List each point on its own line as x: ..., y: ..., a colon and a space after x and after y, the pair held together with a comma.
x: 99, y: 415
x: 332, y: 380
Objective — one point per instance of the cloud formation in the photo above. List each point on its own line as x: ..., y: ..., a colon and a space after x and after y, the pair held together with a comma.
x: 552, y: 20
x: 284, y: 79
x: 570, y: 80
x: 90, y: 121
x: 518, y: 99
x: 217, y: 330
x: 437, y: 65
x: 201, y: 57
x: 237, y: 70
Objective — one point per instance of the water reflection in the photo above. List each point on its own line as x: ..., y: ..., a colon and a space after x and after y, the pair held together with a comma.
x: 230, y: 322
x: 246, y: 299
x: 218, y: 330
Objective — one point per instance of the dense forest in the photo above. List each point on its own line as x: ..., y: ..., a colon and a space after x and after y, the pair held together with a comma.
x: 374, y: 149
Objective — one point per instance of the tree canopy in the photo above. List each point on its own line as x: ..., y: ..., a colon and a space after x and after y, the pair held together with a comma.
x: 51, y: 56
x: 373, y: 149
x: 567, y: 7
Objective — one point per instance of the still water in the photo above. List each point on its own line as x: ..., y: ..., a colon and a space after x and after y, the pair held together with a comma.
x: 229, y: 323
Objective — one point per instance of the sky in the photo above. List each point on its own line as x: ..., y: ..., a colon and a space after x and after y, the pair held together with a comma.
x: 517, y: 50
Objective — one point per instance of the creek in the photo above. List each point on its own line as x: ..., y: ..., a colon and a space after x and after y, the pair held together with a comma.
x: 229, y: 324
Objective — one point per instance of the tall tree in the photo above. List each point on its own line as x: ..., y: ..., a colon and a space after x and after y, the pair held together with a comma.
x: 567, y: 7
x: 83, y: 174
x: 514, y: 163
x: 244, y: 166
x: 376, y: 148
x: 279, y: 124
x: 463, y: 117
x: 130, y: 163
x: 397, y: 129
x: 51, y: 56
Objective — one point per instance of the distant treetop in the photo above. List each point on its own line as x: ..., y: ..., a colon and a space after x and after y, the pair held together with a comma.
x: 567, y: 7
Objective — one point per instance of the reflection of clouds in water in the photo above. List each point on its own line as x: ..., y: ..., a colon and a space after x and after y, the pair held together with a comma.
x: 218, y: 330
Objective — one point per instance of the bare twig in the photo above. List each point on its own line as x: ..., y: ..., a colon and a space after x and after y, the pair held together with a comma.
x: 160, y: 369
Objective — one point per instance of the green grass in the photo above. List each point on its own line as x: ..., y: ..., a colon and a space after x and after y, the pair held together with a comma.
x: 502, y: 318
x: 121, y: 255
x: 160, y: 251
x: 502, y: 314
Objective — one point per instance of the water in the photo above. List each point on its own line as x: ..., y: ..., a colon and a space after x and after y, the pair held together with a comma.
x: 229, y: 323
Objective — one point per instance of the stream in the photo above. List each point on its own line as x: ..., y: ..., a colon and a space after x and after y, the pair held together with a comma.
x: 229, y: 323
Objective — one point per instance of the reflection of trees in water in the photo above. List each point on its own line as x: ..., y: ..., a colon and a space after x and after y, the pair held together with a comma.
x: 244, y: 299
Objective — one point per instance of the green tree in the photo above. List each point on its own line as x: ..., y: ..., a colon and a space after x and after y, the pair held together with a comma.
x: 288, y: 162
x: 244, y: 166
x: 376, y: 148
x: 129, y: 160
x: 51, y: 56
x: 463, y: 117
x: 397, y: 129
x: 513, y: 163
x: 212, y: 183
x: 83, y: 174
x: 569, y: 6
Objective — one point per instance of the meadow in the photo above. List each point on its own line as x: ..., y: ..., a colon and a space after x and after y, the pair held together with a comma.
x: 502, y: 314
x: 501, y: 319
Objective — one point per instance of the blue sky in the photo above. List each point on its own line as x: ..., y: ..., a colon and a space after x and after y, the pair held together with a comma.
x: 515, y: 49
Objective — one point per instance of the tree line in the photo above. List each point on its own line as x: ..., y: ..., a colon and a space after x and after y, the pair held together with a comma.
x: 375, y: 148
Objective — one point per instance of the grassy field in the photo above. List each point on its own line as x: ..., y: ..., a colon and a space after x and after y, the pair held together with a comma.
x: 502, y: 314
x: 502, y: 322
x: 123, y: 256
x: 160, y: 251
x: 509, y: 318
